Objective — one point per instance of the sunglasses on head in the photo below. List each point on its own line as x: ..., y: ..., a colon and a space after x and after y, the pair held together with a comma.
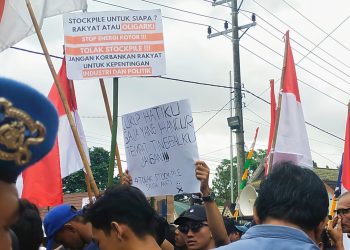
x: 343, y: 211
x: 195, y: 227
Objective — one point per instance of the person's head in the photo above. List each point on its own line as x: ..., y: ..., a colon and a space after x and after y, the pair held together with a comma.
x: 343, y: 211
x: 28, y: 227
x: 294, y: 195
x: 65, y: 225
x: 28, y: 128
x: 233, y: 230
x: 195, y: 230
x: 122, y: 217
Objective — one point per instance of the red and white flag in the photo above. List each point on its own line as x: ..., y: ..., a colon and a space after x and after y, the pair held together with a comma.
x: 292, y: 143
x: 15, y: 21
x: 272, y: 123
x: 345, y: 177
x: 42, y: 183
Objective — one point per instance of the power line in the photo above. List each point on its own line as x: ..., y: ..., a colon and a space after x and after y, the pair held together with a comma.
x: 35, y: 52
x: 263, y: 119
x: 324, y: 157
x: 310, y: 124
x: 333, y: 98
x: 341, y: 44
x: 302, y: 46
x: 195, y: 82
x: 209, y: 84
x: 311, y: 60
x: 185, y: 11
x: 308, y: 71
x: 214, y: 115
x: 243, y: 47
x: 328, y: 35
x: 171, y: 18
x: 307, y: 39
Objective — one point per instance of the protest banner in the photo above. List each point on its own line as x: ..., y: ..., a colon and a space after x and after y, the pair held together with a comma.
x: 114, y: 44
x: 161, y: 149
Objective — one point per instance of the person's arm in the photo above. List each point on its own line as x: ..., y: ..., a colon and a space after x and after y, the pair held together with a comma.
x: 127, y: 180
x: 215, y: 221
x: 335, y: 232
x: 166, y: 245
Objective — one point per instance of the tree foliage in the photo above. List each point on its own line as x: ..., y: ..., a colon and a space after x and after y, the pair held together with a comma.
x: 221, y: 184
x: 99, y: 158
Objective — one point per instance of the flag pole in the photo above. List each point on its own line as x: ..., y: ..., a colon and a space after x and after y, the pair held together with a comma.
x: 278, y: 111
x: 72, y: 93
x: 114, y: 132
x: 110, y: 121
x: 64, y: 101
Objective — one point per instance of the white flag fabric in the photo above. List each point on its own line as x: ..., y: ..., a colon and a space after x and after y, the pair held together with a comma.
x: 292, y: 143
x: 15, y: 21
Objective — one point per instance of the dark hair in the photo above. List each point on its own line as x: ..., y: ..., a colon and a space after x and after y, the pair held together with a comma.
x: 28, y: 227
x: 293, y: 194
x: 125, y: 205
x: 161, y: 229
x: 230, y: 225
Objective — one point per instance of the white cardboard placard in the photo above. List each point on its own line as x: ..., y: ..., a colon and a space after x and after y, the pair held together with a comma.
x: 114, y: 44
x: 161, y: 149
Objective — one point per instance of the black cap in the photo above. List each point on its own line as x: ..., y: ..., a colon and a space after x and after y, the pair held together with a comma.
x: 195, y: 212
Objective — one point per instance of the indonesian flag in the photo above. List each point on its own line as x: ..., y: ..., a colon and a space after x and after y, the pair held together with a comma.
x: 42, y: 183
x: 345, y: 175
x: 292, y: 142
x: 15, y: 21
x: 272, y: 123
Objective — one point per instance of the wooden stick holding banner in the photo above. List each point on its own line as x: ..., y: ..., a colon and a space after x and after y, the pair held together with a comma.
x: 64, y: 101
x: 114, y: 132
x: 110, y: 121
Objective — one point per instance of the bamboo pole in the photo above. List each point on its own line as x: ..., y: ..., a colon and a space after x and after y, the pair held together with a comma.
x: 109, y: 115
x: 114, y: 132
x: 278, y: 111
x: 64, y: 101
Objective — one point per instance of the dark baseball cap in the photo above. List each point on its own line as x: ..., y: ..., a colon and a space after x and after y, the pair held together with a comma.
x: 195, y: 212
x: 231, y: 226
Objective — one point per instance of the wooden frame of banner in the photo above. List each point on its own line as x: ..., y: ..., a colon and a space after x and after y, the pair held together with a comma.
x: 89, y: 175
x: 278, y: 111
x: 110, y: 121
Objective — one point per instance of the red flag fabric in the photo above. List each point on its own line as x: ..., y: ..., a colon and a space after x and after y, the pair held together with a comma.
x: 291, y: 142
x: 272, y: 122
x: 2, y: 6
x: 345, y: 178
x: 42, y: 183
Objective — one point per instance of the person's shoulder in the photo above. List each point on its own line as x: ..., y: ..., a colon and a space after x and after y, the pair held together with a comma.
x: 234, y: 245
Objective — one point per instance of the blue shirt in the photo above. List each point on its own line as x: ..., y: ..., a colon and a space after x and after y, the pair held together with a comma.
x: 91, y: 246
x: 272, y: 237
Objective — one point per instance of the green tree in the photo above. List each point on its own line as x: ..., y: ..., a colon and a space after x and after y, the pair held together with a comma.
x: 99, y: 158
x: 221, y: 184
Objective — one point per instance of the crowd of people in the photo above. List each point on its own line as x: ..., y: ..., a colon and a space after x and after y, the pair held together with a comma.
x: 290, y: 212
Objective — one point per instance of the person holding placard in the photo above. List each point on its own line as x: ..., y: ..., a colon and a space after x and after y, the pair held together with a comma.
x: 202, y: 225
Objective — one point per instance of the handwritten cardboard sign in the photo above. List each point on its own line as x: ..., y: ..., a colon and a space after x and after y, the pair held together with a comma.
x: 161, y: 149
x: 114, y: 44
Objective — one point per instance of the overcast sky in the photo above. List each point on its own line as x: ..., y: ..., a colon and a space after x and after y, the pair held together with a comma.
x: 191, y: 56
